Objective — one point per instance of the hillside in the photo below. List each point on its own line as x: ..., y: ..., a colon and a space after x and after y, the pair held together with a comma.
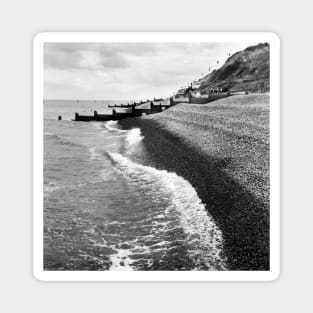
x: 245, y: 70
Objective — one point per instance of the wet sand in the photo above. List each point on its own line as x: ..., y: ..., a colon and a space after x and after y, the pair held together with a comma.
x: 222, y: 149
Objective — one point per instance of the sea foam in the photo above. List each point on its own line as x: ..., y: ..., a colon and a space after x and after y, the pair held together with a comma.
x: 110, y: 126
x: 134, y: 136
x: 204, y: 236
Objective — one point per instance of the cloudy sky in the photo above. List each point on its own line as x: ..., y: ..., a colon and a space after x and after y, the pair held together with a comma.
x: 128, y: 71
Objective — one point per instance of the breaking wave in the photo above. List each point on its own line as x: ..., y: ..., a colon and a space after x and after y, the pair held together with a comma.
x: 110, y: 127
x: 203, y: 235
x: 134, y: 136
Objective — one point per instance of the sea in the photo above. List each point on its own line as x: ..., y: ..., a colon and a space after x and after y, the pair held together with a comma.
x: 105, y: 210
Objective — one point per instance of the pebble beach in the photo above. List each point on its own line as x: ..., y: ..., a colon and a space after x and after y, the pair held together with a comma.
x: 222, y: 150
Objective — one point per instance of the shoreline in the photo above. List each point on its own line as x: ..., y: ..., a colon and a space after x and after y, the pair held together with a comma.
x: 239, y: 210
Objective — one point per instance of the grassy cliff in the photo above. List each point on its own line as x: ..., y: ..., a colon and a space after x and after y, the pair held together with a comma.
x: 245, y: 70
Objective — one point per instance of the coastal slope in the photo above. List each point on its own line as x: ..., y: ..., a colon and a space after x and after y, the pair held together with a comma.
x: 248, y: 69
x: 222, y: 149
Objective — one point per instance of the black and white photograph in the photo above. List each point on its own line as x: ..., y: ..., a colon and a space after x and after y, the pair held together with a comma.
x: 157, y: 156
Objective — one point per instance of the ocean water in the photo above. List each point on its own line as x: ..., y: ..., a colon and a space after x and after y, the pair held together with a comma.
x: 104, y: 211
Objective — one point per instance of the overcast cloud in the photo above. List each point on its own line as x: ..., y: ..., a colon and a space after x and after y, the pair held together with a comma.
x: 128, y: 71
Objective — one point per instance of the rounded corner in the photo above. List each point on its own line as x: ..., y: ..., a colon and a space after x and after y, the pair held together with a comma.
x: 38, y: 37
x: 37, y: 275
x: 274, y: 275
x: 274, y: 38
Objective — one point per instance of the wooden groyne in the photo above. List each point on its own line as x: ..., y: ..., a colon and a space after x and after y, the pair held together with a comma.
x: 137, y: 109
x: 133, y: 112
x: 128, y: 105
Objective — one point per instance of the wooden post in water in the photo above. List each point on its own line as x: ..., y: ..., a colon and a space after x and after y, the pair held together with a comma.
x: 151, y: 107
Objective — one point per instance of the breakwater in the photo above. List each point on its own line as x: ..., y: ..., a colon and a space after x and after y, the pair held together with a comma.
x: 137, y: 109
x: 132, y: 110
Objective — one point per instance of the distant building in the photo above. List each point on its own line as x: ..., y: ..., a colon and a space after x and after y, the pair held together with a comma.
x: 196, y: 94
x: 196, y: 85
x: 181, y: 93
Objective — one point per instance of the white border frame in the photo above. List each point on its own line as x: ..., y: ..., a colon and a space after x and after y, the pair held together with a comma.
x: 38, y: 70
